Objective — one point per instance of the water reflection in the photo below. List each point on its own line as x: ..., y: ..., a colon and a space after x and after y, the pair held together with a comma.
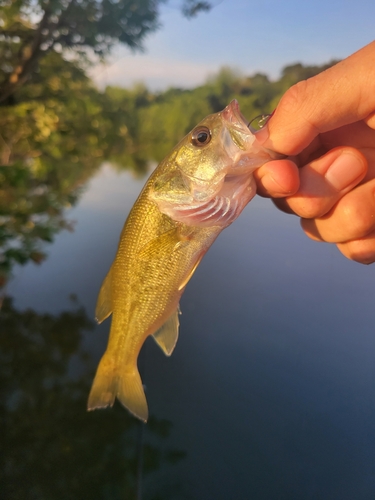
x: 270, y: 388
x: 51, y: 447
x: 34, y: 199
x: 31, y: 213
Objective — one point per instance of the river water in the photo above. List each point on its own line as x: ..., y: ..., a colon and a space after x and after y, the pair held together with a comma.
x: 269, y: 394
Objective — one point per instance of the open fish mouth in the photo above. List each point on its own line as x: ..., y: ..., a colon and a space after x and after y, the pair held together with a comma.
x: 232, y: 114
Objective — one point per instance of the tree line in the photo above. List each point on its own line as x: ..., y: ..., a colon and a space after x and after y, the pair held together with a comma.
x: 57, y: 128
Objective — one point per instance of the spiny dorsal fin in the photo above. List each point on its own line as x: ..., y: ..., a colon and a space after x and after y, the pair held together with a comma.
x: 104, y: 303
x: 167, y: 335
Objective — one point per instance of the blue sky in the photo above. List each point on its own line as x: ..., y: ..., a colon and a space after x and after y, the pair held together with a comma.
x: 250, y: 36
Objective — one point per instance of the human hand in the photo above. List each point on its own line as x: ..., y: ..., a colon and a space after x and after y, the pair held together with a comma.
x: 326, y: 127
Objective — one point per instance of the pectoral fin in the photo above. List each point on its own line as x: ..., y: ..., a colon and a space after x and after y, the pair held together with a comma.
x: 163, y: 245
x: 167, y: 335
x: 104, y: 303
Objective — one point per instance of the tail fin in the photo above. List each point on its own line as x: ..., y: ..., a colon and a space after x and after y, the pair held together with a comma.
x: 127, y: 386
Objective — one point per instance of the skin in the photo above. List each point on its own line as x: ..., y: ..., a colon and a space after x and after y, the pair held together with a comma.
x: 326, y: 127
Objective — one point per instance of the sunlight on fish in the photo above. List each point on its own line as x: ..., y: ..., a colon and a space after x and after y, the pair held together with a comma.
x: 200, y: 188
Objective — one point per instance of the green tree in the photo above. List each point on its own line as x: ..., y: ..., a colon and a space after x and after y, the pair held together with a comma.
x: 51, y: 142
x: 32, y: 28
x: 122, y: 109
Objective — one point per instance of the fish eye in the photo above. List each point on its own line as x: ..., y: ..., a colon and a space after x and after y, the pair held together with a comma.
x: 201, y: 136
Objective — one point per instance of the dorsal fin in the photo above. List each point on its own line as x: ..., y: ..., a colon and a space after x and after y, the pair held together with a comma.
x: 167, y: 335
x: 104, y: 303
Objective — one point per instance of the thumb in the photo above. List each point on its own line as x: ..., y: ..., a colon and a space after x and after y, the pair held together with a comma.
x: 343, y: 94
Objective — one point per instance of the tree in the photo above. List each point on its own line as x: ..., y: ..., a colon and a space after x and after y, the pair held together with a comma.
x: 51, y: 142
x: 32, y: 28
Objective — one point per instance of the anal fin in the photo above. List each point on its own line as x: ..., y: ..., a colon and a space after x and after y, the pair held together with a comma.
x: 167, y: 335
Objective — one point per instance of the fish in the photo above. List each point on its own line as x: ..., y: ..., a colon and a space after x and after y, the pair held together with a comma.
x: 198, y: 190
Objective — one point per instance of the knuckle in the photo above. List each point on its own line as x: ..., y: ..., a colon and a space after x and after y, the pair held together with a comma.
x: 360, y: 219
x: 299, y: 113
x: 294, y: 97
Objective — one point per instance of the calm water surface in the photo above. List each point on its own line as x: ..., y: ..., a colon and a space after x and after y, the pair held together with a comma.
x: 270, y: 393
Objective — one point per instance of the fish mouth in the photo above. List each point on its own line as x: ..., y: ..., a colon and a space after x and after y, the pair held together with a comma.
x: 236, y: 120
x: 232, y: 114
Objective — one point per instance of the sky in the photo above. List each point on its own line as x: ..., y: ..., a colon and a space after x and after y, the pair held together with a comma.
x: 248, y: 36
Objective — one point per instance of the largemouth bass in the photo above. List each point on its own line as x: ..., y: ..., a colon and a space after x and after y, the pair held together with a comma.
x: 196, y: 191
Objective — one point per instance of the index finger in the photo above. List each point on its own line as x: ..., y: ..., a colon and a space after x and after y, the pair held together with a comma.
x: 343, y: 94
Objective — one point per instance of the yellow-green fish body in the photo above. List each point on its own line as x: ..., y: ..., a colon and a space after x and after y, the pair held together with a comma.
x: 195, y: 192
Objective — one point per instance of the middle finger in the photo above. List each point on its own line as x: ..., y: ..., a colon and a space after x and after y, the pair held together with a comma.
x: 351, y: 218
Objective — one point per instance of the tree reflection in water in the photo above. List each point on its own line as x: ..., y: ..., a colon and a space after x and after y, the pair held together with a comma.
x: 51, y: 447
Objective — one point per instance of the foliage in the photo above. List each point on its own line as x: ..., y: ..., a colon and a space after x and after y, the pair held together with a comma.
x: 122, y: 109
x: 51, y: 142
x: 30, y: 29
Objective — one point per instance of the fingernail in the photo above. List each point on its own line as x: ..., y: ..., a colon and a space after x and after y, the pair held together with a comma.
x: 263, y: 134
x: 344, y: 171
